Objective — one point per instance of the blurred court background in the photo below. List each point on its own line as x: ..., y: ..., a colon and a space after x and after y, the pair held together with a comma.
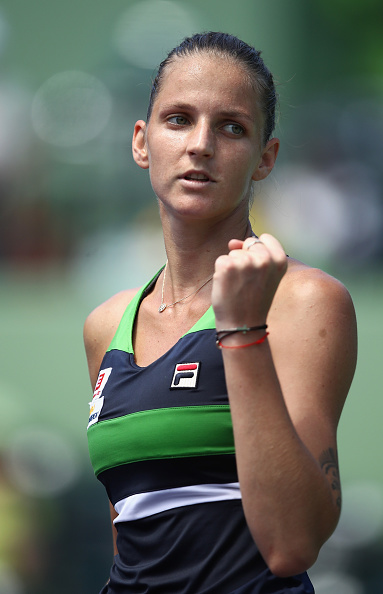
x: 78, y: 222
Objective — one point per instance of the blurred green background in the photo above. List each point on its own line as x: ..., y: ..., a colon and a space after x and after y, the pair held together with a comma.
x: 78, y: 222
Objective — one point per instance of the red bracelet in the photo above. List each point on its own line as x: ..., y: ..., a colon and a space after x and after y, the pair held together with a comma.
x: 243, y: 346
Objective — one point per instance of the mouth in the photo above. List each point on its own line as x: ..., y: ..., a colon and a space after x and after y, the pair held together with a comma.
x: 197, y: 176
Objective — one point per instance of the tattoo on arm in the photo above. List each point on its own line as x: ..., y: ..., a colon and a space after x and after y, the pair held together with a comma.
x: 328, y: 461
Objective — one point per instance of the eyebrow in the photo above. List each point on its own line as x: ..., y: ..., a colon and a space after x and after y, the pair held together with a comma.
x: 188, y: 107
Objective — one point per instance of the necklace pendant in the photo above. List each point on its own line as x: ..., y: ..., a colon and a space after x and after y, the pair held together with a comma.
x: 162, y: 307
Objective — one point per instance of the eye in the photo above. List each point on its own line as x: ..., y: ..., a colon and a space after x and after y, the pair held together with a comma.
x: 234, y: 129
x: 178, y: 120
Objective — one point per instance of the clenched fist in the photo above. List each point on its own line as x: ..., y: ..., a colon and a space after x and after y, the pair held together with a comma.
x: 246, y: 279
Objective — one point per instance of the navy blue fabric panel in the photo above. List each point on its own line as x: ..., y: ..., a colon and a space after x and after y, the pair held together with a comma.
x: 131, y: 388
x: 152, y: 475
x: 299, y: 584
x: 187, y: 553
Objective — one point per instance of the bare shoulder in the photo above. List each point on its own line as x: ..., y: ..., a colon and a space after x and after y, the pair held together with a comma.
x: 104, y: 319
x: 313, y: 338
x: 305, y: 289
x: 100, y: 327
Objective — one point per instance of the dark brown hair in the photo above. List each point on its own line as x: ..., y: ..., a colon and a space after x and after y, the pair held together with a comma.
x: 227, y: 45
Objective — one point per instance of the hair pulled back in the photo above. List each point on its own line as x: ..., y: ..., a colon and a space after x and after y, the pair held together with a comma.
x: 223, y: 44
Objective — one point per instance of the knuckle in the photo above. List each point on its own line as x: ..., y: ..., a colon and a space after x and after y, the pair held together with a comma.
x: 281, y: 261
x: 222, y: 262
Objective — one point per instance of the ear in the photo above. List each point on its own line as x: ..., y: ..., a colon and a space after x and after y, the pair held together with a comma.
x: 267, y: 160
x: 139, y: 147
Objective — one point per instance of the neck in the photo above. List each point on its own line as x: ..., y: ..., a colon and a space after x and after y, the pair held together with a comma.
x: 192, y: 249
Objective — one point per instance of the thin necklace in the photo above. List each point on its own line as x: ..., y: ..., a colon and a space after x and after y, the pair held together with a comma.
x: 163, y: 305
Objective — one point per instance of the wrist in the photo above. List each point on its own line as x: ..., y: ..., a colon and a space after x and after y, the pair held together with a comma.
x: 241, y: 336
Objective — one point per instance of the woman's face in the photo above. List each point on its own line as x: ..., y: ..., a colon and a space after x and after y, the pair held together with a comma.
x: 202, y: 144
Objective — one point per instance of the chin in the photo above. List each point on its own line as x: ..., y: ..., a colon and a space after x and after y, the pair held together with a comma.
x: 195, y: 208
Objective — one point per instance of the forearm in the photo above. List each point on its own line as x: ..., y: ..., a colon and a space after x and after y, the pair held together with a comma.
x: 113, y: 516
x: 285, y: 399
x: 287, y: 500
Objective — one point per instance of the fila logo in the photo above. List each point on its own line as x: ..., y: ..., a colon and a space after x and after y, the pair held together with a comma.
x: 185, y: 375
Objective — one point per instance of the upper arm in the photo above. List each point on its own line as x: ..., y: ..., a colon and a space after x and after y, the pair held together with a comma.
x: 314, y: 351
x: 99, y: 329
x: 96, y: 337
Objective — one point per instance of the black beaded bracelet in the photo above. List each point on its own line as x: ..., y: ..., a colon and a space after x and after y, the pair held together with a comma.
x: 221, y: 334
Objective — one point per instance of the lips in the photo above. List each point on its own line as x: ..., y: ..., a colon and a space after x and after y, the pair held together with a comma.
x: 197, y: 176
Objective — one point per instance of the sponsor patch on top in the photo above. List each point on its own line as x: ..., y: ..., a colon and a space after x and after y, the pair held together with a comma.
x: 185, y: 375
x: 95, y: 409
x: 98, y: 399
x: 103, y: 377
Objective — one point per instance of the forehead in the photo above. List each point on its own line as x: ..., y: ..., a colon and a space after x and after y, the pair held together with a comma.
x: 202, y: 77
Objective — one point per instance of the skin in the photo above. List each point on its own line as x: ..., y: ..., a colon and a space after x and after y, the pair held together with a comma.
x: 206, y: 119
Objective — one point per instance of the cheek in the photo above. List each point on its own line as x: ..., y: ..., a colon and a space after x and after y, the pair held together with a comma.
x: 156, y: 178
x: 162, y: 151
x: 244, y: 183
x: 241, y: 161
x: 155, y: 157
x: 243, y: 176
x: 159, y: 174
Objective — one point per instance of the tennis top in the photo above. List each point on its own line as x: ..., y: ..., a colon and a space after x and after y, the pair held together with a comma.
x: 161, y: 442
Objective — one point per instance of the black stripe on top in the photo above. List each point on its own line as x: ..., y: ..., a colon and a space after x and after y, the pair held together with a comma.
x: 154, y: 475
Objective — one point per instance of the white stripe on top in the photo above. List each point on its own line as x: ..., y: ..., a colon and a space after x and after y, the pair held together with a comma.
x: 142, y: 505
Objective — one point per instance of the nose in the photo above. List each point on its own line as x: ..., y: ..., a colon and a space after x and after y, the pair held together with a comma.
x: 201, y: 140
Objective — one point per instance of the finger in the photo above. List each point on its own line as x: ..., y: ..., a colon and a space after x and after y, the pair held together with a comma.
x: 250, y: 242
x: 235, y: 244
x: 275, y: 248
x: 271, y: 243
x: 240, y: 249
